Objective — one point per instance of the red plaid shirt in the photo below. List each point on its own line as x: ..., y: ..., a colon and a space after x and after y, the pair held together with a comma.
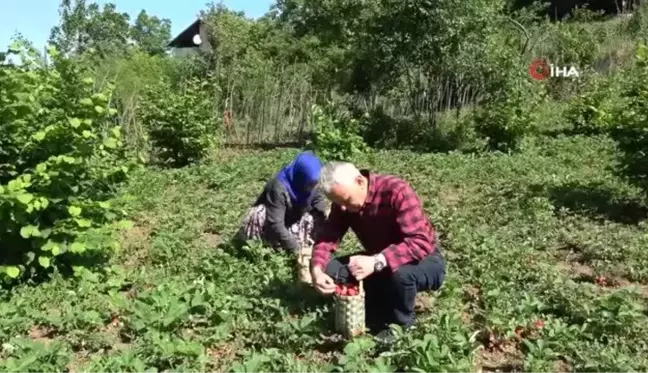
x: 392, y: 221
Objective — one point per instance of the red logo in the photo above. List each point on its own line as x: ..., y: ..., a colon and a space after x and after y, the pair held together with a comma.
x: 539, y: 69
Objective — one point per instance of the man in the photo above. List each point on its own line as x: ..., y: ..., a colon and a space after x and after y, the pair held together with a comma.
x: 401, y: 254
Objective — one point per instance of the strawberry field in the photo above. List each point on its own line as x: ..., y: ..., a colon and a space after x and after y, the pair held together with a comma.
x: 126, y: 170
x: 546, y: 253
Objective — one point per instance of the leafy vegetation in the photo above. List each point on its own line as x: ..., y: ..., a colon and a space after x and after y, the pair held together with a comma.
x: 182, y: 122
x: 541, y: 245
x: 112, y: 263
x: 335, y: 138
x: 61, y: 158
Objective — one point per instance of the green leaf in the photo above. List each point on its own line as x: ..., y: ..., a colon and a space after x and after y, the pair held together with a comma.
x: 88, y: 81
x: 52, y: 51
x: 15, y: 184
x: 41, y: 167
x: 25, y: 198
x: 100, y: 97
x: 110, y: 143
x: 99, y: 109
x: 77, y: 247
x: 125, y: 224
x: 1, y: 189
x: 13, y: 271
x: 39, y: 136
x: 56, y: 250
x: 29, y: 231
x: 103, y: 204
x: 14, y: 47
x: 86, y: 134
x: 74, y: 211
x: 44, y: 261
x: 45, y: 233
x: 75, y: 122
x: 83, y: 223
x: 86, y: 102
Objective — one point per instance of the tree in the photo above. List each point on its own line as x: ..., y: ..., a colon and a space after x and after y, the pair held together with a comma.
x: 151, y: 34
x: 88, y: 28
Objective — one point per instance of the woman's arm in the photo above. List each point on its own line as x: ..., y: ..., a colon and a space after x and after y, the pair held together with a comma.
x: 318, y: 204
x: 275, y: 220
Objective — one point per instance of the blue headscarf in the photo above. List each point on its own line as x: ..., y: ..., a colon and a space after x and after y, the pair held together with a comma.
x: 303, y: 171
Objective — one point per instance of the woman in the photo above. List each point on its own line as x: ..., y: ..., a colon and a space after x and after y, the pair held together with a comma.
x: 289, y: 208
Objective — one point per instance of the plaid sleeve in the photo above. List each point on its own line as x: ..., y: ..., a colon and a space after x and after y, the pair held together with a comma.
x: 327, y: 239
x: 420, y: 238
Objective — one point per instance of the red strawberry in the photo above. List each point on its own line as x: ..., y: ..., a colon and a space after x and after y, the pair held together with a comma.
x: 540, y: 324
x: 353, y: 291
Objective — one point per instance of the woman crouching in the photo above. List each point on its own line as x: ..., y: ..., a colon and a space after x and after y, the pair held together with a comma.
x: 289, y: 208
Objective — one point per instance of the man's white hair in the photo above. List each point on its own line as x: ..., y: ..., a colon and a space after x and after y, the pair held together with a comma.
x: 332, y: 173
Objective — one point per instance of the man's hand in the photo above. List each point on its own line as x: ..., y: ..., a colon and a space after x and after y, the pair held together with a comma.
x: 361, y: 266
x: 323, y: 283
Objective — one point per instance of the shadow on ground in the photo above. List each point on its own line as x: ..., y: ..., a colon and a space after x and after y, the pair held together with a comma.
x: 298, y: 299
x: 597, y: 202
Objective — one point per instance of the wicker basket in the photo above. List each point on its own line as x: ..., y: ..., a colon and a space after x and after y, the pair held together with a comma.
x: 350, y: 313
x: 303, y: 265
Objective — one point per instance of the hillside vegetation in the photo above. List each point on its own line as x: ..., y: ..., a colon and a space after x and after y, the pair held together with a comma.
x: 125, y: 171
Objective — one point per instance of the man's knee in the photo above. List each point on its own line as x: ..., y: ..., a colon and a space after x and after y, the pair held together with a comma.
x: 427, y: 274
x: 405, y: 276
x: 433, y: 268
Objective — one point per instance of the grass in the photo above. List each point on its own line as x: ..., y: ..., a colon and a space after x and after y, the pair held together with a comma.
x: 547, y: 271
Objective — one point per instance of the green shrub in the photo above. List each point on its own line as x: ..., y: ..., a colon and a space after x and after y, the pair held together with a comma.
x: 638, y: 25
x: 509, y: 110
x: 631, y: 132
x: 569, y: 44
x: 182, y: 121
x: 132, y: 73
x: 334, y: 138
x: 379, y: 129
x: 60, y: 160
x: 503, y: 123
x: 618, y: 106
x: 594, y: 111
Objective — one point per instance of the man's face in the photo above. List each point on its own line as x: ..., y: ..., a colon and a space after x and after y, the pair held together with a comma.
x: 350, y: 197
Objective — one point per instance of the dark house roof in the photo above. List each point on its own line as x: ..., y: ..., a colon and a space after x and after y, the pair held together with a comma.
x: 185, y: 38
